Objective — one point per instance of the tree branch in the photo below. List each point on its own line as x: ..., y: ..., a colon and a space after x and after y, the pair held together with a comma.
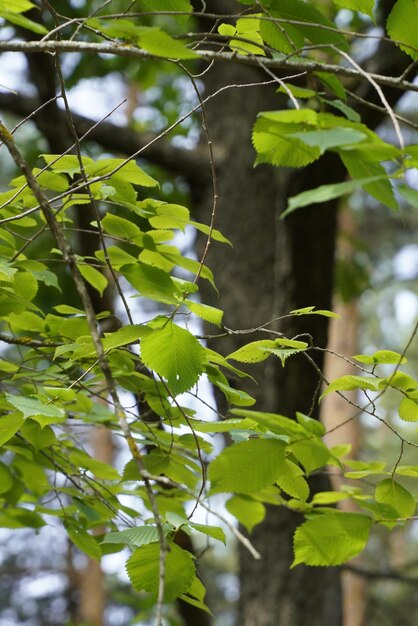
x: 280, y: 62
x: 178, y: 161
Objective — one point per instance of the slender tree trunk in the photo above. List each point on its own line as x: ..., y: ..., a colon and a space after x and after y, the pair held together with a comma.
x: 337, y: 413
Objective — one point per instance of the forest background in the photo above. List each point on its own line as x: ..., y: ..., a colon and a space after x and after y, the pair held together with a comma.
x: 300, y: 88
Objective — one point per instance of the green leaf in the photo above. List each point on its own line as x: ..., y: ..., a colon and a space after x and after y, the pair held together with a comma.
x: 303, y: 15
x: 247, y: 467
x: 324, y: 193
x: 143, y: 570
x: 151, y: 282
x: 402, y: 26
x: 39, y: 437
x: 291, y: 480
x: 206, y: 312
x: 330, y: 137
x: 246, y: 28
x: 408, y: 410
x: 120, y: 227
x: 9, y: 425
x: 253, y: 352
x: 6, y: 478
x: 22, y: 21
x: 163, y: 45
x: 248, y: 512
x: 349, y: 382
x: 272, y: 421
x: 138, y: 536
x: 31, y: 407
x: 224, y: 426
x: 175, y: 354
x: 83, y: 541
x: 359, y: 168
x: 388, y: 357
x: 235, y: 396
x: 182, y: 6
x: 127, y: 171
x: 124, y: 336
x: 16, y: 6
x: 389, y: 492
x: 211, y: 531
x: 285, y: 348
x: 331, y: 538
x: 93, y: 277
x: 311, y: 453
x: 364, y: 6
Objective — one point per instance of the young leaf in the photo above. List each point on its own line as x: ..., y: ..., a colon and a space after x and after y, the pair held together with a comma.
x: 138, y: 536
x: 175, y: 354
x: 389, y: 492
x: 311, y: 453
x: 143, y: 570
x: 252, y: 352
x: 248, y: 512
x: 247, y: 467
x: 93, y: 277
x: 349, y: 382
x: 388, y: 357
x: 364, y: 6
x: 324, y: 193
x: 211, y: 531
x: 9, y: 425
x: 408, y: 410
x: 124, y: 336
x: 31, y: 407
x: 331, y: 538
x: 83, y: 541
x: 206, y: 312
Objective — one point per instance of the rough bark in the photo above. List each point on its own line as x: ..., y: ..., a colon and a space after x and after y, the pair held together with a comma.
x: 275, y: 266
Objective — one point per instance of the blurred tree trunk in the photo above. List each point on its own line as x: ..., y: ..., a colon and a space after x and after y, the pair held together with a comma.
x: 92, y: 592
x: 337, y: 413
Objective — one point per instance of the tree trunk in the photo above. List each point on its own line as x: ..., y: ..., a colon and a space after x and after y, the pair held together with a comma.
x: 336, y: 413
x: 274, y: 267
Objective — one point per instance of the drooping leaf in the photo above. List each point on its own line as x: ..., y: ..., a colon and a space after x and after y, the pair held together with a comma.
x: 211, y: 531
x: 402, y: 26
x: 175, y: 354
x: 360, y: 167
x: 391, y: 493
x: 93, y: 277
x: 143, y: 570
x: 21, y: 20
x: 84, y: 541
x: 364, y: 6
x: 324, y: 193
x: 311, y: 453
x: 408, y: 410
x: 31, y: 407
x: 206, y: 312
x: 331, y: 538
x: 388, y: 357
x: 247, y: 467
x: 9, y: 425
x: 350, y: 382
x: 138, y: 536
x: 151, y: 282
x: 124, y: 336
x: 248, y: 512
x: 252, y: 352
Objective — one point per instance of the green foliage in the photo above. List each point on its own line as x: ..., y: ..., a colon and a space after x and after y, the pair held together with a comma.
x: 331, y: 538
x: 62, y: 366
